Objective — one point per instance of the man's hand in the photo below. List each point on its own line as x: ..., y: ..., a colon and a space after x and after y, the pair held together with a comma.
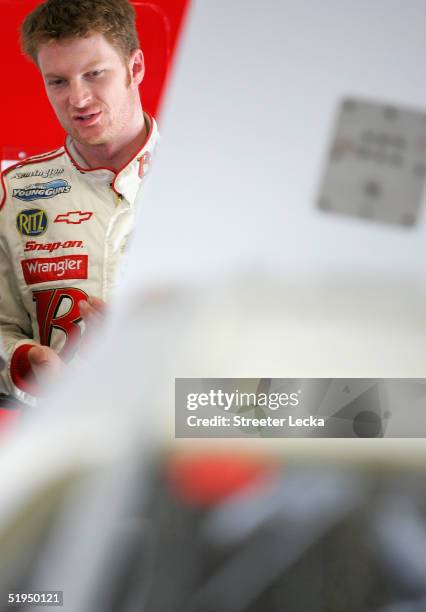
x: 45, y: 363
x: 93, y: 311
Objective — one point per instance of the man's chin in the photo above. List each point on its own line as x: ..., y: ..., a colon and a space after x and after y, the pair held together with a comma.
x: 92, y: 141
x: 89, y: 141
x: 98, y: 137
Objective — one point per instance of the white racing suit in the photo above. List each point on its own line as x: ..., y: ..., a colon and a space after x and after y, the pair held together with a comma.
x: 63, y: 229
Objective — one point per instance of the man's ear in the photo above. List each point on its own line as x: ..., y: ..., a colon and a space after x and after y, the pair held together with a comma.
x: 137, y: 66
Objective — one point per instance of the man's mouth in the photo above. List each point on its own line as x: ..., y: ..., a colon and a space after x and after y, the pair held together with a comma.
x: 87, y: 119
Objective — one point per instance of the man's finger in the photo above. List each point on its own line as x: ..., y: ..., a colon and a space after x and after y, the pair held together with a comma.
x: 97, y: 303
x: 46, y: 364
x: 39, y: 355
x: 89, y: 313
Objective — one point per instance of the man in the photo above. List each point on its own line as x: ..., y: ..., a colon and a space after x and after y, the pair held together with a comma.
x: 65, y: 216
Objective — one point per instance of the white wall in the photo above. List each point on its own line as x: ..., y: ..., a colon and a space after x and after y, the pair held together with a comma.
x: 245, y: 134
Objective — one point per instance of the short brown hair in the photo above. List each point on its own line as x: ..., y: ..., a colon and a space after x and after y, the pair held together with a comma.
x: 67, y: 19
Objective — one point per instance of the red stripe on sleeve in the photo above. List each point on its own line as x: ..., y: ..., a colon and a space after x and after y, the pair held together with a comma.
x: 21, y: 371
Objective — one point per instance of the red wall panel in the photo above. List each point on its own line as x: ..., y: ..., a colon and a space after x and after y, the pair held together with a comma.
x: 28, y: 125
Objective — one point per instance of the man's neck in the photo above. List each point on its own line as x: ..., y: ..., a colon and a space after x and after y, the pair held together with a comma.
x: 113, y: 155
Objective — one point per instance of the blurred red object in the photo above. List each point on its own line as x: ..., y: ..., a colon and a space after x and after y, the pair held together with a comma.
x: 207, y: 479
x: 8, y: 417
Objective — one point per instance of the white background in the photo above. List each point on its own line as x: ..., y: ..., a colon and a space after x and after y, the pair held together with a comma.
x: 246, y: 130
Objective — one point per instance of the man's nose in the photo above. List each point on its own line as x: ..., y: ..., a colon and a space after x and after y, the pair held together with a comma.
x: 79, y: 94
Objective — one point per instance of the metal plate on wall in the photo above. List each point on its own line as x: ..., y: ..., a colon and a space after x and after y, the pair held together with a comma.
x: 376, y: 166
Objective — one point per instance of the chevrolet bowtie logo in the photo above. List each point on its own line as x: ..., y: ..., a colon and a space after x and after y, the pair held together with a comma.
x: 75, y: 217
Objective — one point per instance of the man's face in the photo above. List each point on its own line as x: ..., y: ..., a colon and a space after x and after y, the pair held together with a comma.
x: 93, y: 91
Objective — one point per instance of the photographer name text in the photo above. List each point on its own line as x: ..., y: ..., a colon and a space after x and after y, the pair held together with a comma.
x: 244, y: 421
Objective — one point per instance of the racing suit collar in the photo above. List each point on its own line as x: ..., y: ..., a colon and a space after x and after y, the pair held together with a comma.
x: 81, y: 165
x: 127, y: 181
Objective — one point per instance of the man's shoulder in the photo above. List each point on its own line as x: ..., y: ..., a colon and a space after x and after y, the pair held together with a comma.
x: 46, y: 167
x: 33, y: 167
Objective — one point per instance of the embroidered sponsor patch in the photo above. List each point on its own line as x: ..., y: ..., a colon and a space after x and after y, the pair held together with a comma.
x: 41, y: 270
x: 31, y: 245
x: 42, y: 191
x: 75, y: 217
x: 44, y: 173
x: 32, y: 222
x: 144, y: 164
x: 58, y: 312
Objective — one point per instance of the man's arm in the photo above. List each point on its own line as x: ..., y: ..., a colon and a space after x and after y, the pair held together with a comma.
x: 15, y: 328
x: 16, y: 332
x: 27, y: 362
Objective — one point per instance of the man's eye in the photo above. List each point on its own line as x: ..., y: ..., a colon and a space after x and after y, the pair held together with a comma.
x: 94, y: 73
x: 56, y: 82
